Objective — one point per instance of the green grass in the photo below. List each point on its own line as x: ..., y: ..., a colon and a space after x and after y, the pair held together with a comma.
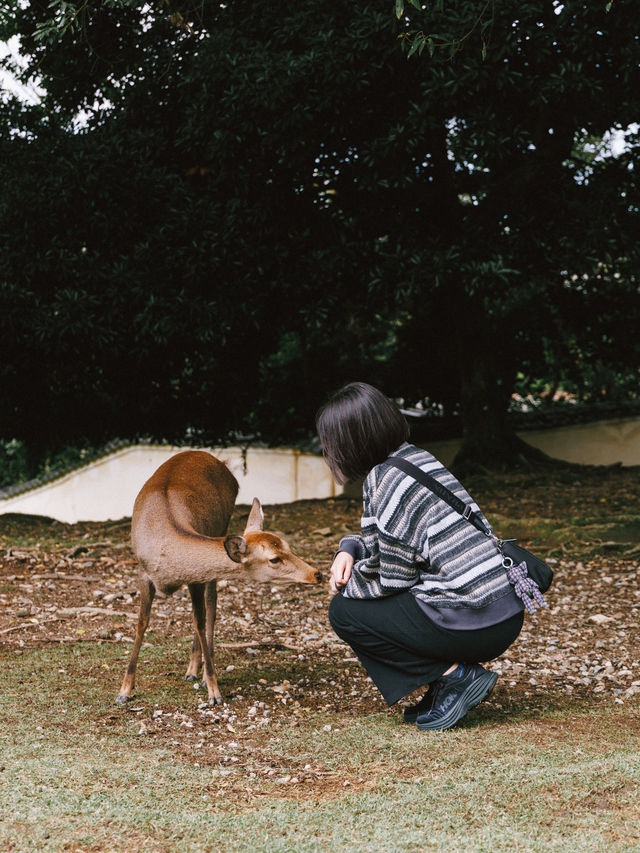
x: 76, y: 774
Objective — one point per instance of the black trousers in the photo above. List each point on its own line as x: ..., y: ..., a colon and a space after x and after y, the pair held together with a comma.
x: 402, y: 649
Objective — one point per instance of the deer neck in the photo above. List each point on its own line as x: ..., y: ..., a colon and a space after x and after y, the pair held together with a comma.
x: 185, y: 557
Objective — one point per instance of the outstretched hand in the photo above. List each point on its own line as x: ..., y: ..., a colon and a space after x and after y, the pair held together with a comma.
x: 340, y: 570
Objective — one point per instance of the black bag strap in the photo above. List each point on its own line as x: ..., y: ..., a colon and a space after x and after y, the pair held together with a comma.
x: 442, y: 492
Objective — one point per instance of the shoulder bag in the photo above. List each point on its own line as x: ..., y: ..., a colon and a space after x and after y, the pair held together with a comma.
x: 528, y: 574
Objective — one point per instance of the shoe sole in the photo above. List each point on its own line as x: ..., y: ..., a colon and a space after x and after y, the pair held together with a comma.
x: 473, y: 695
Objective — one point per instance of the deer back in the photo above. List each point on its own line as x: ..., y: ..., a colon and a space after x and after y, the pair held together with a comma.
x: 191, y: 493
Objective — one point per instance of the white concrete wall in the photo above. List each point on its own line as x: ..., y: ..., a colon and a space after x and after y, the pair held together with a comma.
x: 106, y: 488
x: 598, y: 443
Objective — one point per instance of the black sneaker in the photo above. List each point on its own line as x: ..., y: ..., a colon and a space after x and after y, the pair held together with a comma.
x: 455, y: 694
x: 412, y: 712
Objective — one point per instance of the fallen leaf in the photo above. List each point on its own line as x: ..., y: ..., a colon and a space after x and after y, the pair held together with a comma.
x: 600, y: 619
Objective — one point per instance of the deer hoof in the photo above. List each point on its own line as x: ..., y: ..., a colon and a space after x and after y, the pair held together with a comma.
x: 215, y: 700
x: 122, y: 699
x: 190, y: 677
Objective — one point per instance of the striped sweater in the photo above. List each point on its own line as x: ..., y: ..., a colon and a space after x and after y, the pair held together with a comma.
x: 411, y: 539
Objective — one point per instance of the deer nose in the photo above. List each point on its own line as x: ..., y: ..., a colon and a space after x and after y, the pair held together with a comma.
x: 318, y: 577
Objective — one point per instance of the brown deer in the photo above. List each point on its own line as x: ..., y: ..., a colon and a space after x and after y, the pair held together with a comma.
x: 178, y: 529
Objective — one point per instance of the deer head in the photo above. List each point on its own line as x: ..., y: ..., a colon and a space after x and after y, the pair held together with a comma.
x: 265, y: 556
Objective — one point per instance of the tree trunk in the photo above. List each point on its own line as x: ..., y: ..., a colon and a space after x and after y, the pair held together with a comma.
x: 486, y: 372
x: 488, y: 442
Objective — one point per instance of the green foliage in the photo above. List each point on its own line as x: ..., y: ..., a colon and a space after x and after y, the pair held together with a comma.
x: 446, y: 31
x: 260, y: 206
x: 14, y: 462
x: 19, y: 463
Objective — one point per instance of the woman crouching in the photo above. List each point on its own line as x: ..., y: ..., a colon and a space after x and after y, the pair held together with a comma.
x: 422, y: 595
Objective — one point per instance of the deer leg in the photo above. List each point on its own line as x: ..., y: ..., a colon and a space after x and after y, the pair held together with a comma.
x: 199, y: 623
x: 211, y: 603
x: 197, y: 658
x: 194, y: 662
x: 196, y: 652
x: 147, y: 593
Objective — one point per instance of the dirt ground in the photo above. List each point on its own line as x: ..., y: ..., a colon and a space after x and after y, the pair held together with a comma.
x: 70, y: 584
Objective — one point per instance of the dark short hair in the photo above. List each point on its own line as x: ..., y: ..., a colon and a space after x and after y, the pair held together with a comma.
x: 358, y: 428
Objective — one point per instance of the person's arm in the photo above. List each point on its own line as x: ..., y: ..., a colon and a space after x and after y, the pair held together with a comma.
x: 382, y: 564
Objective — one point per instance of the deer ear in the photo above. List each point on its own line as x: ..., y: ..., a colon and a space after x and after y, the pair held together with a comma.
x: 236, y: 548
x: 256, y: 517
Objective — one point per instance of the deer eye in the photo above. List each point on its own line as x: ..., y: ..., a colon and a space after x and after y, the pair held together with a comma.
x: 275, y: 560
